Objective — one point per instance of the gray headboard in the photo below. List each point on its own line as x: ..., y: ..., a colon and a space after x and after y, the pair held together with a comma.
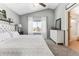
x: 5, y: 26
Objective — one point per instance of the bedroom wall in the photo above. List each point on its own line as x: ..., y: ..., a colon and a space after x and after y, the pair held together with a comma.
x: 10, y: 13
x: 50, y: 19
x: 61, y: 13
x: 74, y: 29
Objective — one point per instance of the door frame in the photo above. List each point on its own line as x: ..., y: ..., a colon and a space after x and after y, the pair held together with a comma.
x: 69, y: 25
x: 69, y: 21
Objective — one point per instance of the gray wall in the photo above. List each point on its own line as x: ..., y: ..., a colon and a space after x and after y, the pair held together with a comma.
x: 60, y: 12
x: 50, y: 19
x: 10, y: 13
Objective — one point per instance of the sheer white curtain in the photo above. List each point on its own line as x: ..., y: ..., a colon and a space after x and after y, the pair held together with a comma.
x: 30, y: 19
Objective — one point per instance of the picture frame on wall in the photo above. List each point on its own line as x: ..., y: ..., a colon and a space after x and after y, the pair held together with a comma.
x: 3, y: 15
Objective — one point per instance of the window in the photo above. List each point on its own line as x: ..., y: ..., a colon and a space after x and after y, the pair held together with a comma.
x: 36, y: 26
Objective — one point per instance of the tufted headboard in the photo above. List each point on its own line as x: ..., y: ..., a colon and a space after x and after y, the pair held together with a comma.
x: 5, y: 26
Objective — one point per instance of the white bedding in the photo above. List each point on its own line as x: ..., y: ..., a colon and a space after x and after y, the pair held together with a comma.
x: 29, y: 45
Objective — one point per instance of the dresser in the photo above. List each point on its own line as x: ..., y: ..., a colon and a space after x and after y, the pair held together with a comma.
x: 57, y: 36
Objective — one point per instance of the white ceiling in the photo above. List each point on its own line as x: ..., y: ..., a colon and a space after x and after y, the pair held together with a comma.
x: 24, y: 8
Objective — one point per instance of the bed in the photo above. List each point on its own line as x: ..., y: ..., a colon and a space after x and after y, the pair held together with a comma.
x: 13, y: 44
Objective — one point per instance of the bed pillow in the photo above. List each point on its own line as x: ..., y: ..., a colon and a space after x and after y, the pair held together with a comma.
x: 4, y: 36
x: 14, y: 34
x: 7, y: 35
x: 1, y: 37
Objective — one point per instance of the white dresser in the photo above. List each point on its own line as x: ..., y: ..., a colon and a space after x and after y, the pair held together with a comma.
x: 57, y: 36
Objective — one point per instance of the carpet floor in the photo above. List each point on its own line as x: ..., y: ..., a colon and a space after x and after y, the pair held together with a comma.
x: 60, y: 50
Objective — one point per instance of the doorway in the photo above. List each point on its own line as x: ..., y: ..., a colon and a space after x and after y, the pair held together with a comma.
x: 73, y: 29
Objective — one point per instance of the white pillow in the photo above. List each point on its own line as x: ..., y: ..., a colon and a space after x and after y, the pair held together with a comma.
x: 14, y: 34
x: 1, y: 37
x: 7, y: 35
x: 4, y: 36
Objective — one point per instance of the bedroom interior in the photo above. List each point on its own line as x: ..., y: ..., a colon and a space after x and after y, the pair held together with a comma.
x: 38, y: 30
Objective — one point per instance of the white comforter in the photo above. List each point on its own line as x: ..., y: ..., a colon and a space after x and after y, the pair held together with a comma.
x: 29, y: 45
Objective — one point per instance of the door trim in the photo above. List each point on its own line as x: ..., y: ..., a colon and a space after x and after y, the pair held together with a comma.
x: 69, y: 28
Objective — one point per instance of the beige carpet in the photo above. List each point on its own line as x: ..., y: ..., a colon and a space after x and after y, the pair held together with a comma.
x: 60, y: 50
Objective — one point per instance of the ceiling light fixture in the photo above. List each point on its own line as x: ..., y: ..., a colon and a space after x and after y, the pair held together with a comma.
x: 42, y: 4
x: 36, y: 4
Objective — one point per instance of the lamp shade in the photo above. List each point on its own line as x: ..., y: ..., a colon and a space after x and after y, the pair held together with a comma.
x: 19, y: 25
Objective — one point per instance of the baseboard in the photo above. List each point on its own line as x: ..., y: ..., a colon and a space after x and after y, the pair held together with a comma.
x: 60, y: 43
x: 56, y: 43
x: 52, y: 40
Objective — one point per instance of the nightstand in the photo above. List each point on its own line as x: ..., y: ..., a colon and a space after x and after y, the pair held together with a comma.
x: 21, y: 33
